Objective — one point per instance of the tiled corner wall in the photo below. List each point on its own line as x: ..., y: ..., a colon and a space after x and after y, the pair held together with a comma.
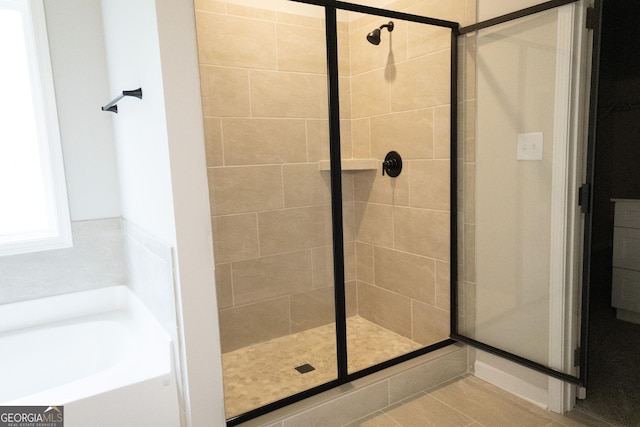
x: 263, y: 77
x: 95, y: 261
x: 149, y: 263
x: 150, y: 272
x: 264, y: 85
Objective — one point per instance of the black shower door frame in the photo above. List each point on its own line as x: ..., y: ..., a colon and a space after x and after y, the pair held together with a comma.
x: 581, y: 354
x: 336, y: 171
x: 343, y: 376
x: 331, y: 30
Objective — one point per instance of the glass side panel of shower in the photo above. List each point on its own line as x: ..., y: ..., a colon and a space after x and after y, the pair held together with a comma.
x: 397, y: 217
x: 264, y: 89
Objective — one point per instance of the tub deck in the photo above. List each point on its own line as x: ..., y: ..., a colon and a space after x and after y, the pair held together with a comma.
x: 67, y: 348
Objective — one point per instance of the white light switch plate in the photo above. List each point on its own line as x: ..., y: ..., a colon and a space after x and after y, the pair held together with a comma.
x: 529, y: 146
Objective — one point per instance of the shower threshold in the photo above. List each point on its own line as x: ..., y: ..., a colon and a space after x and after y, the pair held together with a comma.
x: 263, y: 373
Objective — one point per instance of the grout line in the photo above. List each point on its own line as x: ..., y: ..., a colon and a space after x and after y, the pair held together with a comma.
x: 233, y: 291
x: 257, y: 216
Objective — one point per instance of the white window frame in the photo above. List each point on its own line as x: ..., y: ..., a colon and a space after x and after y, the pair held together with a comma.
x: 58, y: 235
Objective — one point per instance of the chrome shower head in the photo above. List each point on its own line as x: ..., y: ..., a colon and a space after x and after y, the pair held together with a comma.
x: 374, y: 36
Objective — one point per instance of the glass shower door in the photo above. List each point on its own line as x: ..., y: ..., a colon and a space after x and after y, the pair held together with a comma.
x: 397, y: 221
x: 519, y: 222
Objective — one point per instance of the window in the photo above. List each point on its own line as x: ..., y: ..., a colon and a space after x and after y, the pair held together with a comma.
x: 34, y: 213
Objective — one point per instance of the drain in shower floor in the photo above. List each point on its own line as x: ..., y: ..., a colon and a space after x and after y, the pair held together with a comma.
x: 303, y: 369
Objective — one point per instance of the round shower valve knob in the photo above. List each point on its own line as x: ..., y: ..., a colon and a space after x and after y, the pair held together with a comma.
x: 392, y: 164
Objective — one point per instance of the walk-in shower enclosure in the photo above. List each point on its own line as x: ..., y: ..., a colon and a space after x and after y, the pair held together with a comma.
x: 323, y: 262
x: 331, y: 260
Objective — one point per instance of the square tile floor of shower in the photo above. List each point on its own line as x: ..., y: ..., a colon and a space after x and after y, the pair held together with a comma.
x: 266, y: 372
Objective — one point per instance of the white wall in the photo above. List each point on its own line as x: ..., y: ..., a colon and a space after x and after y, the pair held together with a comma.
x: 160, y: 145
x: 140, y: 135
x: 78, y: 59
x: 76, y: 42
x: 194, y: 247
x: 133, y: 58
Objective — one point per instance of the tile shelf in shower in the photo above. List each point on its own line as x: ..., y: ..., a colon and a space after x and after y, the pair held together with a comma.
x: 352, y: 164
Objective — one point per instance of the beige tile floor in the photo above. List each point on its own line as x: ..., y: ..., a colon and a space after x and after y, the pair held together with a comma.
x: 265, y: 372
x: 471, y: 402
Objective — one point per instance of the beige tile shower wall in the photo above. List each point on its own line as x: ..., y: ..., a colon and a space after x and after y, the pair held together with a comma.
x: 264, y: 89
x: 400, y: 101
x: 264, y: 100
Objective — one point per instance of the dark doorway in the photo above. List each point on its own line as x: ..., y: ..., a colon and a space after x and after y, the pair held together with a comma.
x: 613, y: 391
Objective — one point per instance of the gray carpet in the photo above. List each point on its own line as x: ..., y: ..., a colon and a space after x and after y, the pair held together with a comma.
x: 613, y: 391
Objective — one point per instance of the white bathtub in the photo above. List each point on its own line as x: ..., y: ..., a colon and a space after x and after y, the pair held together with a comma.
x: 99, y: 353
